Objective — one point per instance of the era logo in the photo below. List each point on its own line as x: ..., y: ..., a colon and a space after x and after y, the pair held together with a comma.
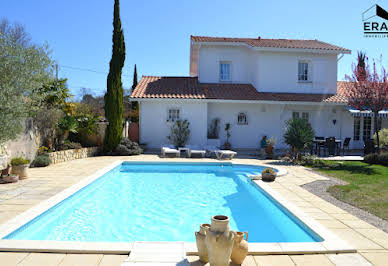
x: 374, y: 22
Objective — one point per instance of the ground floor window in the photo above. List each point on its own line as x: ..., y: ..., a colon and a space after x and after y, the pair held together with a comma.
x: 295, y: 115
x: 367, y: 128
x: 173, y: 115
x: 242, y: 119
x: 303, y: 115
x: 356, y: 128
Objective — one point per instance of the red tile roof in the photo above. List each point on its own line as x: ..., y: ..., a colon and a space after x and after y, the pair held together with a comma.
x: 274, y: 43
x: 190, y: 88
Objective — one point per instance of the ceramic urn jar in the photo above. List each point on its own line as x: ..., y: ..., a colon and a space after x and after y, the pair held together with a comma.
x: 240, y: 248
x: 200, y: 238
x: 219, y: 241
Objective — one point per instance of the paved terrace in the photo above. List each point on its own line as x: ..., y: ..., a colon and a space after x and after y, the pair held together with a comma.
x: 370, y: 242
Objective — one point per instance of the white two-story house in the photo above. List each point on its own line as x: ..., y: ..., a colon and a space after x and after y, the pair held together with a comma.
x: 256, y: 85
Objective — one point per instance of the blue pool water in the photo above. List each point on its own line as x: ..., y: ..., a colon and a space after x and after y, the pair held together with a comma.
x: 166, y: 202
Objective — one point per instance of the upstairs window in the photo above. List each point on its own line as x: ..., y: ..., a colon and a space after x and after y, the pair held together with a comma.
x: 173, y: 115
x: 242, y: 119
x: 303, y: 71
x: 295, y: 115
x: 225, y: 71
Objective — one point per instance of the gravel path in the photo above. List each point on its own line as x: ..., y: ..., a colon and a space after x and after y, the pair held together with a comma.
x: 319, y: 188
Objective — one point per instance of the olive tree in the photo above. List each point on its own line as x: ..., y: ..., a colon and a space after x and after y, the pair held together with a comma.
x: 24, y: 66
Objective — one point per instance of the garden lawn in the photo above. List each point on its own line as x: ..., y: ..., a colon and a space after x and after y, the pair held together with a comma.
x: 367, y: 186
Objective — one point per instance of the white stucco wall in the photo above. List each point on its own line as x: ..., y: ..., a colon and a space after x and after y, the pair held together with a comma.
x: 263, y: 119
x: 211, y: 56
x: 269, y: 71
x: 154, y: 127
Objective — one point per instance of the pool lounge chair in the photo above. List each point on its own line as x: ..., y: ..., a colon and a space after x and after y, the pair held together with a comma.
x: 195, y: 150
x: 210, y: 150
x: 169, y: 149
x: 225, y: 154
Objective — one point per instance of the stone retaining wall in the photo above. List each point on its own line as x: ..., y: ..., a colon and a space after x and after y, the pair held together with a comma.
x: 68, y: 155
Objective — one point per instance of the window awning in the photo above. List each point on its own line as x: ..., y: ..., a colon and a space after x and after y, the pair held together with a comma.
x: 366, y: 113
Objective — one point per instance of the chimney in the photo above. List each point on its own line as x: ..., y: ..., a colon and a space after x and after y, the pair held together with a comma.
x: 259, y: 38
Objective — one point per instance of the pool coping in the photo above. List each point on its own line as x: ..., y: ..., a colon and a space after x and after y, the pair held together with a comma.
x: 330, y: 244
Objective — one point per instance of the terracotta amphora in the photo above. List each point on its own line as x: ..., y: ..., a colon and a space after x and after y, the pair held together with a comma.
x: 200, y: 238
x: 219, y: 241
x: 240, y: 248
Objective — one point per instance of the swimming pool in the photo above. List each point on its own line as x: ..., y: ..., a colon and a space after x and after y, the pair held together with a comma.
x: 166, y: 202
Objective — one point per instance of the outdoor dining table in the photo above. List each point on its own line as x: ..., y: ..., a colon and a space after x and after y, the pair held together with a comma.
x: 316, y: 142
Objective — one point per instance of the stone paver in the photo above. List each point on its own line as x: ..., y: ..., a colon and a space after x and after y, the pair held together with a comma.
x: 311, y: 260
x: 112, y: 260
x: 34, y: 259
x: 349, y: 259
x: 81, y: 259
x: 273, y: 260
x: 11, y: 258
x: 376, y: 258
x: 372, y: 243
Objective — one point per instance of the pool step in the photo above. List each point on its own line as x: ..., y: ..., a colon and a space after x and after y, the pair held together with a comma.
x: 157, y: 253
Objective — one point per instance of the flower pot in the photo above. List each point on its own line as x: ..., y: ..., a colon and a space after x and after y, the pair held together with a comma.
x: 227, y: 146
x: 240, y: 248
x: 200, y: 238
x: 269, y: 151
x: 10, y: 178
x: 20, y: 170
x: 268, y: 177
x: 219, y: 241
x: 6, y: 171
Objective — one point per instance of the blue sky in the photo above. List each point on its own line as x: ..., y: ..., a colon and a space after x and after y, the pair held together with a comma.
x: 157, y: 33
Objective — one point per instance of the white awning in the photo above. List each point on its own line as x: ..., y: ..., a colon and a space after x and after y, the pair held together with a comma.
x: 366, y: 113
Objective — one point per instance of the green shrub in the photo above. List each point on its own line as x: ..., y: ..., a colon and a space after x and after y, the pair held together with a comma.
x: 67, y: 145
x: 180, y: 133
x: 126, y: 148
x: 41, y: 161
x: 68, y: 123
x: 19, y: 161
x: 375, y: 158
x: 268, y: 171
x: 299, y: 135
x: 383, y: 136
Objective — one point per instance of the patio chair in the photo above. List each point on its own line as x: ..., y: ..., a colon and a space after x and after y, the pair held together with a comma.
x: 169, y: 149
x: 194, y: 149
x: 345, y: 145
x: 330, y: 145
x: 224, y: 154
x: 320, y: 145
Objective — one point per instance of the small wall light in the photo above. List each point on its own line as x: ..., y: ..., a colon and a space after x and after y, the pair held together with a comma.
x: 334, y: 121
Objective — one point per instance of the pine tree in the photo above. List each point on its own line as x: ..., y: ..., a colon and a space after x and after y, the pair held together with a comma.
x: 114, y: 96
x: 135, y: 105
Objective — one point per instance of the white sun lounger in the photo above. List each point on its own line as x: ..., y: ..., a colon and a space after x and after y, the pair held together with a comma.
x: 192, y: 149
x: 169, y: 149
x: 223, y: 154
x: 210, y: 150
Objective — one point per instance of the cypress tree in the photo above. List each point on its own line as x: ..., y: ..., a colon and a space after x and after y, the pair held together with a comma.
x: 135, y: 105
x: 114, y: 95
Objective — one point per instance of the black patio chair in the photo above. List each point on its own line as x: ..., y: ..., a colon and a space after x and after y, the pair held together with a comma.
x: 330, y: 146
x: 346, y: 145
x: 319, y: 145
x: 369, y: 146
